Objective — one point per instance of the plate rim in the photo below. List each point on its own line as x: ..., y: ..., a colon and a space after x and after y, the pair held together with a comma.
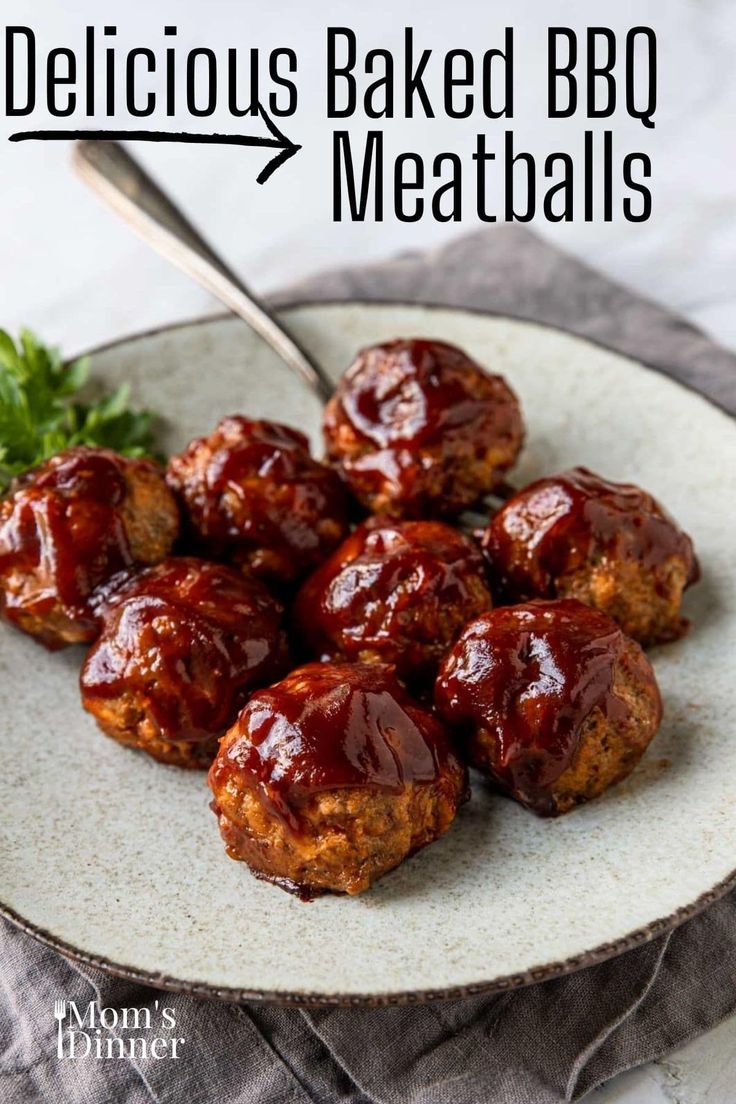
x: 500, y: 984
x: 299, y: 303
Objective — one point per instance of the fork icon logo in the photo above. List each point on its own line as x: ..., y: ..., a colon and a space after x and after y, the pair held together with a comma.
x: 59, y: 1016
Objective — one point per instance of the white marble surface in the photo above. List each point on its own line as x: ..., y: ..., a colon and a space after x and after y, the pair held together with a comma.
x: 79, y: 277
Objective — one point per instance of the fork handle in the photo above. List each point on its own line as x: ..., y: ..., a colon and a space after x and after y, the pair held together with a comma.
x: 126, y: 187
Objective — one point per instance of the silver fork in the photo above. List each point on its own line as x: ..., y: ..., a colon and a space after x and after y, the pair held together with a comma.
x: 119, y: 180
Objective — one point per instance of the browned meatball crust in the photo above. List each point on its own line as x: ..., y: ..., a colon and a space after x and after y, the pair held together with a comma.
x: 183, y: 645
x: 332, y: 777
x: 418, y: 429
x: 67, y: 527
x: 610, y: 545
x: 253, y: 495
x: 551, y: 700
x: 393, y: 592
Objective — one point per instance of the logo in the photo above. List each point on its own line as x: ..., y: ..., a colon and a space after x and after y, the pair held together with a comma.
x: 92, y: 1032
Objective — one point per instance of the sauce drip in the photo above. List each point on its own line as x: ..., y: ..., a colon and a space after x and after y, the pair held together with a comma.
x: 331, y: 726
x: 530, y: 676
x: 411, y: 392
x: 400, y: 588
x: 556, y: 524
x: 253, y: 486
x: 62, y: 534
x: 187, y: 641
x: 412, y: 418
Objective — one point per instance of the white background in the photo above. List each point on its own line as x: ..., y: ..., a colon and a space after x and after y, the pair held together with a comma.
x: 79, y: 277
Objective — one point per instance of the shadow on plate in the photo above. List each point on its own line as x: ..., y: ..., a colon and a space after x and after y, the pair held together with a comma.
x: 462, y: 855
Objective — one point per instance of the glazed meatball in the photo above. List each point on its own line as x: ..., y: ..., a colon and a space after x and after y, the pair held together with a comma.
x: 611, y: 545
x: 253, y: 495
x: 418, y: 429
x: 183, y: 645
x: 333, y: 777
x: 67, y: 527
x: 551, y: 700
x: 397, y: 592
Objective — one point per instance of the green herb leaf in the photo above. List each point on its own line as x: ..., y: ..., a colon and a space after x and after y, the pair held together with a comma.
x: 38, y: 417
x: 8, y: 355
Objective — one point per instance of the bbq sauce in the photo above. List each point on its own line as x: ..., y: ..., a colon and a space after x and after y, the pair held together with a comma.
x: 557, y: 524
x: 61, y: 535
x: 331, y: 726
x: 396, y: 588
x: 411, y: 392
x: 253, y: 487
x: 412, y: 406
x: 529, y: 676
x: 186, y: 641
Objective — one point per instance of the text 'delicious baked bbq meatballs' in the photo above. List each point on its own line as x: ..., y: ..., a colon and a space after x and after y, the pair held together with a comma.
x: 397, y: 592
x: 553, y: 702
x: 183, y: 645
x: 253, y: 495
x: 67, y: 527
x: 416, y: 428
x: 332, y: 777
x: 611, y: 545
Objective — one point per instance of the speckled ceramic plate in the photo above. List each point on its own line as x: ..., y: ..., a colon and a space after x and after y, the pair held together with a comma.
x: 116, y: 859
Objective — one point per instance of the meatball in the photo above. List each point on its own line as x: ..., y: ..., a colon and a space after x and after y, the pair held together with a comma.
x: 551, y: 700
x: 67, y: 527
x: 182, y: 647
x: 253, y: 495
x: 333, y: 777
x: 416, y: 428
x: 397, y: 592
x: 611, y: 545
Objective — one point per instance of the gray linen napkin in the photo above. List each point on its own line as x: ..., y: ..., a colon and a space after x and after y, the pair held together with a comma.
x: 543, y: 1044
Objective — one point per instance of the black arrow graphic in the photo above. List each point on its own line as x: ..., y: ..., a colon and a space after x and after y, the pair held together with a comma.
x: 278, y: 141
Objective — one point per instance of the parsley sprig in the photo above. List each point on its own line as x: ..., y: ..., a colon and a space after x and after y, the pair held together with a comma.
x: 39, y: 414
